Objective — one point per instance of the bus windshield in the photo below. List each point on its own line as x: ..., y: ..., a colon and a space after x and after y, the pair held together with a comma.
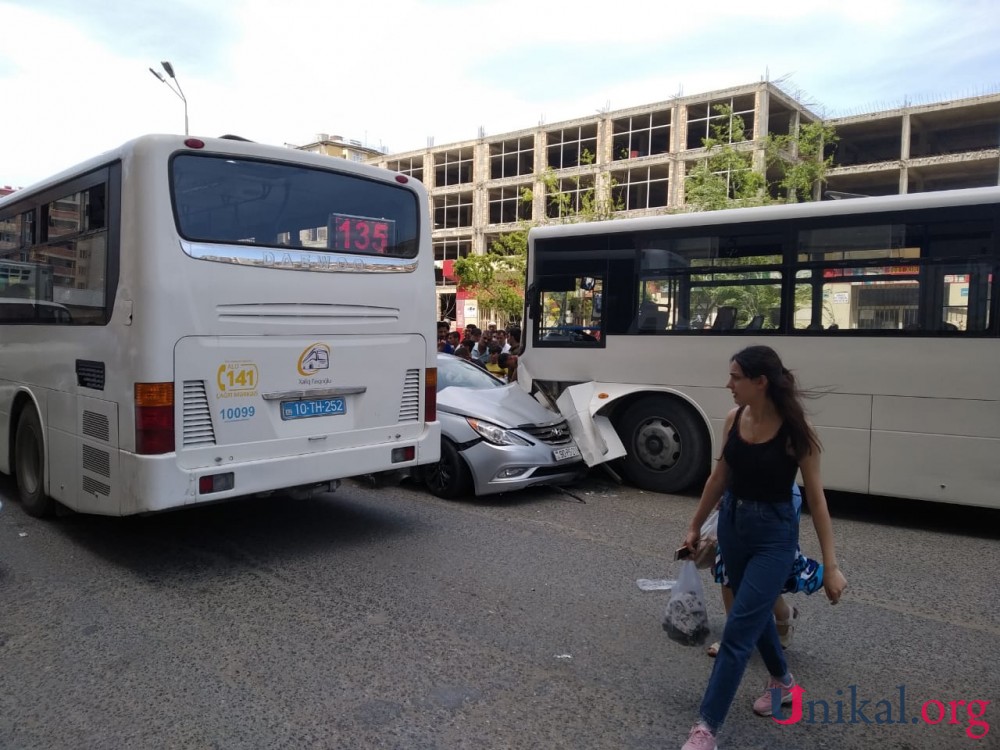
x: 248, y: 202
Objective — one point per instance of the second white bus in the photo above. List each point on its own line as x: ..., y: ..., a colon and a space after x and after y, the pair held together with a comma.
x: 885, y: 308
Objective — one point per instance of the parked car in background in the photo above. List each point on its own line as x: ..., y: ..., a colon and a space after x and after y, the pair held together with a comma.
x: 495, y: 437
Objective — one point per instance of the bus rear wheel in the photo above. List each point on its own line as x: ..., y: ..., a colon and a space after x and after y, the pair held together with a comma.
x: 29, y: 465
x: 667, y: 446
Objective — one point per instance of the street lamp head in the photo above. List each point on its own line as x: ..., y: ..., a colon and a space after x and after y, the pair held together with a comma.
x: 174, y: 87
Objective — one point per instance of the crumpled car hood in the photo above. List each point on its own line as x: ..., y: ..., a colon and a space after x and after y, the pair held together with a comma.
x: 507, y: 407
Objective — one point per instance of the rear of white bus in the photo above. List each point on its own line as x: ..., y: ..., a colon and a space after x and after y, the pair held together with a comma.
x: 283, y: 338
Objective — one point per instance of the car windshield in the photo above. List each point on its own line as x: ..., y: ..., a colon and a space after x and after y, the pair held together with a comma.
x: 458, y: 372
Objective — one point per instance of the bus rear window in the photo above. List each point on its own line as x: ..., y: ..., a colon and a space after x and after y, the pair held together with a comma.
x: 245, y: 202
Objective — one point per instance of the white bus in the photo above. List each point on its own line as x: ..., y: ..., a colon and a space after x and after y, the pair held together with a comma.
x: 885, y: 308
x: 223, y: 319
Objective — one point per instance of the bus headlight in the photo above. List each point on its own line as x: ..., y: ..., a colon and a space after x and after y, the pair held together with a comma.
x: 494, y: 434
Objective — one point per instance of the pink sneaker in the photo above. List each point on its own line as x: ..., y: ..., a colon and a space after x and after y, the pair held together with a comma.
x: 763, y: 705
x: 701, y: 738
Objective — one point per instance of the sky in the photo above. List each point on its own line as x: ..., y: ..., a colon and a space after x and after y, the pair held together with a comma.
x: 393, y: 73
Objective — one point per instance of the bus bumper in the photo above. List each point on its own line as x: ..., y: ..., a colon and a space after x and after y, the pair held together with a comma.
x: 155, y: 483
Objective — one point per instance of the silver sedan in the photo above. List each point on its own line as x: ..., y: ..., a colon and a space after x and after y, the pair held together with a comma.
x: 494, y: 436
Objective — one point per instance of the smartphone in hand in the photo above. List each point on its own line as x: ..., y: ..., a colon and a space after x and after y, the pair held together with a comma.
x: 682, y: 554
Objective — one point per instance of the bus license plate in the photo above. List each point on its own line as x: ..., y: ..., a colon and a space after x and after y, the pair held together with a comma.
x: 561, y: 454
x: 317, y: 407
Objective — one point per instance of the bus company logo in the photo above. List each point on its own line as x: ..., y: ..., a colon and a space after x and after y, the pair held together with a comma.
x: 850, y: 708
x: 316, y: 357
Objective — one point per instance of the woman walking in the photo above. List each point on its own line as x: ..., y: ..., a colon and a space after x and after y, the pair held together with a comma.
x: 768, y: 441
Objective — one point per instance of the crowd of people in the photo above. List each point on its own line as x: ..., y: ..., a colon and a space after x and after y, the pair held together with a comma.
x: 494, y: 349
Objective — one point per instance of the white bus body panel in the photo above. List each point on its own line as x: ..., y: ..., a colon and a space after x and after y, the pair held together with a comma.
x: 959, y: 462
x: 912, y: 419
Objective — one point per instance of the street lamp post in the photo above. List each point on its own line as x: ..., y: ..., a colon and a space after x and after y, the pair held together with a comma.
x: 178, y: 91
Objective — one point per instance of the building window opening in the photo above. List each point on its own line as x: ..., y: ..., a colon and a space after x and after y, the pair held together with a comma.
x: 453, y: 210
x: 512, y: 158
x: 509, y: 204
x: 572, y: 196
x: 703, y: 117
x: 642, y: 187
x: 446, y: 252
x: 641, y: 135
x: 411, y: 167
x: 453, y: 167
x: 572, y: 147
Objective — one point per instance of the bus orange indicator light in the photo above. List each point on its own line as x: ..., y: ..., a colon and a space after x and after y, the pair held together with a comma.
x: 602, y: 395
x: 154, y: 418
x: 430, y: 394
x: 154, y: 394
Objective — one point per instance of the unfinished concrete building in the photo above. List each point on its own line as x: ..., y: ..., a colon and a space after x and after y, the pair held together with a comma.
x: 636, y: 159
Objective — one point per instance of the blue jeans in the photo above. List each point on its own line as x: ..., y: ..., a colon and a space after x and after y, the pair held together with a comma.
x: 758, y: 542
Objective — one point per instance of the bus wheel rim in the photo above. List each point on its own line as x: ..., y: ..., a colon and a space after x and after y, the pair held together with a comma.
x: 657, y: 444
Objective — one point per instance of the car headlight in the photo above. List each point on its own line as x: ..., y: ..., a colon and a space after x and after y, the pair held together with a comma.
x: 496, y: 435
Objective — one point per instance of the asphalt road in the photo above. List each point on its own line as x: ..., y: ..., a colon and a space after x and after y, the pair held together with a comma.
x: 385, y: 618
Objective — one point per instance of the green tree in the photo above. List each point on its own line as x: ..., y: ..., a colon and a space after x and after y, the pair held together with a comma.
x: 794, y: 169
x: 497, y: 277
x: 794, y: 165
x: 725, y: 178
x: 582, y: 202
x: 798, y: 160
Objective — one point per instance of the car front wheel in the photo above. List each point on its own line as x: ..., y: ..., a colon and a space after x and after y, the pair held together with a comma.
x: 450, y: 477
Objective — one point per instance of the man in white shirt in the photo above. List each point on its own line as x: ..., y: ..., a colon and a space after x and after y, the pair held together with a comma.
x: 502, y: 341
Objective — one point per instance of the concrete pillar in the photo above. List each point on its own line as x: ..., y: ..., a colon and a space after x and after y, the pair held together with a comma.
x: 605, y: 139
x: 904, y: 152
x: 680, y: 172
x: 681, y: 128
x: 602, y: 178
x: 537, y: 185
x: 429, y: 182
x: 480, y: 195
x: 678, y: 137
x: 673, y: 183
x: 762, y: 106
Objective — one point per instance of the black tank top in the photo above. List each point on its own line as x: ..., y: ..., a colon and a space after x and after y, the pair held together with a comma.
x: 760, y: 471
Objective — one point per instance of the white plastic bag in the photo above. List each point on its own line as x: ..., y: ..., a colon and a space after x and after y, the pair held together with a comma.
x: 655, y: 584
x: 710, y: 529
x: 686, y: 620
x: 704, y: 555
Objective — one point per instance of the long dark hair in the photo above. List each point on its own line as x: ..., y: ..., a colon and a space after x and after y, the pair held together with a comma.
x: 784, y: 392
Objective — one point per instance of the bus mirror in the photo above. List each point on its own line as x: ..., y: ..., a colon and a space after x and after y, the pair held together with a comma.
x: 532, y: 303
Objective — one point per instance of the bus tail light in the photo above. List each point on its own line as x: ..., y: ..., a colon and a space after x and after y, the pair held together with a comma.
x: 403, y: 454
x: 216, y: 483
x: 154, y: 418
x: 430, y: 394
